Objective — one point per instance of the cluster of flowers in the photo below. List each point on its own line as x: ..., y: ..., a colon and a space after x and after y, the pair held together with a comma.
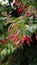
x: 23, y: 8
x: 17, y: 40
x: 20, y: 9
x: 14, y: 37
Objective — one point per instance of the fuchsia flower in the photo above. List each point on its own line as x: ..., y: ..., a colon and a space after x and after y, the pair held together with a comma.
x: 20, y: 10
x: 15, y: 37
x: 16, y: 30
x: 3, y: 41
x: 36, y: 36
x: 17, y: 43
x: 28, y: 42
x: 29, y: 13
x: 17, y: 3
x: 24, y: 39
x: 25, y: 6
x: 30, y: 39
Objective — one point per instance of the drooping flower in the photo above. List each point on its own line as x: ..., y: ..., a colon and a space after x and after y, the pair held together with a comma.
x: 15, y: 37
x: 20, y: 10
x: 30, y: 39
x: 3, y: 41
x: 29, y: 13
x: 28, y: 42
x: 17, y: 43
x: 16, y: 30
x: 24, y: 39
x: 17, y: 3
